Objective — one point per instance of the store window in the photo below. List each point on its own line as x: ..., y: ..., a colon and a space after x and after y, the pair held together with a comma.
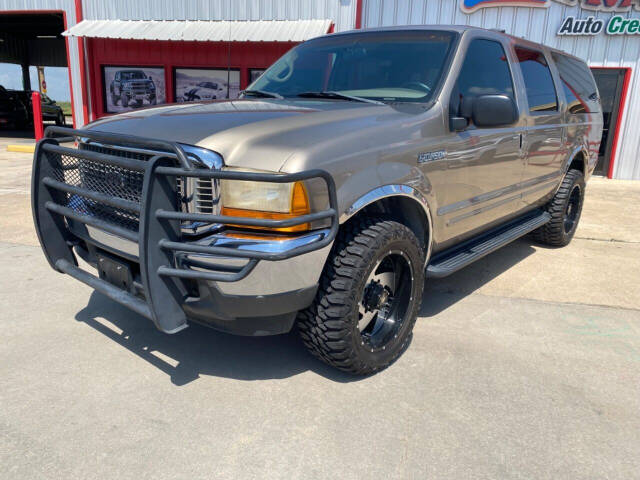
x: 538, y: 82
x: 485, y: 71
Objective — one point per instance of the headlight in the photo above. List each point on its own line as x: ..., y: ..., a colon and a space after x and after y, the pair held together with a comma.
x: 266, y: 200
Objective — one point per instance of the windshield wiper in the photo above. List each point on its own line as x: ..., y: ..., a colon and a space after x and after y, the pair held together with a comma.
x: 261, y: 93
x: 337, y: 96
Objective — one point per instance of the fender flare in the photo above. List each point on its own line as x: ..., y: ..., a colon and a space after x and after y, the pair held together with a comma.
x: 393, y: 190
x: 580, y: 149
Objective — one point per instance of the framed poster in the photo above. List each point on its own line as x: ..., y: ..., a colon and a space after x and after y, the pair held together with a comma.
x: 127, y: 88
x: 194, y: 84
x: 254, y: 73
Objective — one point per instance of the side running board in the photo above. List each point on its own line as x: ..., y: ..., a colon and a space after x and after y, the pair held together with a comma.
x: 451, y: 260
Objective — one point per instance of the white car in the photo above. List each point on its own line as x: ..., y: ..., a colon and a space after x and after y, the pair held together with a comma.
x: 204, y: 91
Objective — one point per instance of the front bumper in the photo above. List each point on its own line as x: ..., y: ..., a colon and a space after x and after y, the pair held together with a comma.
x: 244, y: 286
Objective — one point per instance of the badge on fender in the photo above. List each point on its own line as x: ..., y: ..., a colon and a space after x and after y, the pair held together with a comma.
x: 431, y: 156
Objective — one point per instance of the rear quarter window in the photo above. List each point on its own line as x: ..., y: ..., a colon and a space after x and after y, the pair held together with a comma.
x: 578, y: 84
x: 538, y: 82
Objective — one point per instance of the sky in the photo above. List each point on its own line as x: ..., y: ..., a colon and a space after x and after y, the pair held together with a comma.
x: 57, y: 80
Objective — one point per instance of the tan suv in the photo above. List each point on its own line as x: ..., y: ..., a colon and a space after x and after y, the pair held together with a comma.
x: 355, y: 167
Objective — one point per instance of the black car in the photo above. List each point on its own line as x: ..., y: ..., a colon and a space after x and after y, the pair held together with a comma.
x: 13, y: 111
x: 16, y: 109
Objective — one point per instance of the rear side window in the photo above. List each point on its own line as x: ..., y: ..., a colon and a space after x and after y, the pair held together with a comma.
x: 538, y: 82
x: 578, y: 84
x: 485, y: 71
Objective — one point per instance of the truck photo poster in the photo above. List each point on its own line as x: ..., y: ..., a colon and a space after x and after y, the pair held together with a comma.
x: 128, y: 88
x: 193, y: 84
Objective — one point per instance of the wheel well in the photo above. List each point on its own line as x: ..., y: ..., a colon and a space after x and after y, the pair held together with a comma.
x: 403, y: 210
x: 578, y: 163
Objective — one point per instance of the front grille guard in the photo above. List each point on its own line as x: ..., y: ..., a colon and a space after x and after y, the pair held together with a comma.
x: 159, y: 237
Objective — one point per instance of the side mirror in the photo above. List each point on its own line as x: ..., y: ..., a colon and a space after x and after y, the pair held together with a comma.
x: 494, y: 111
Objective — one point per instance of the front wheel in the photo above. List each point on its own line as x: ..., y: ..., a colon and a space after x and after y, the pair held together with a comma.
x: 369, y: 297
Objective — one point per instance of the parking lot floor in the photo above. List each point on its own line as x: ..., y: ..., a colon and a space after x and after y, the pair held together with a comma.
x: 524, y: 365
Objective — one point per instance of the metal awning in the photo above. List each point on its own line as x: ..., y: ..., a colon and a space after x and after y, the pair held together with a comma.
x: 202, y: 30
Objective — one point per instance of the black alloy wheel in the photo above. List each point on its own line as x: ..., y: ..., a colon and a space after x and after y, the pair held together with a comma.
x: 369, y: 296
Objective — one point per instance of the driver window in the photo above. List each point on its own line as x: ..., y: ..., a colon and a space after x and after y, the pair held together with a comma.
x: 485, y: 71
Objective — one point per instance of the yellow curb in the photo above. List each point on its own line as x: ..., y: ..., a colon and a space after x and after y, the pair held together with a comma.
x: 21, y: 148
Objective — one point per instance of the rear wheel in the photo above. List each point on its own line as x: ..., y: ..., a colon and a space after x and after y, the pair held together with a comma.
x: 565, y: 209
x: 369, y: 296
x: 60, y: 120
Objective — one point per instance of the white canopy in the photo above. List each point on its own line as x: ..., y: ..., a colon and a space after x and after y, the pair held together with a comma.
x: 202, y: 30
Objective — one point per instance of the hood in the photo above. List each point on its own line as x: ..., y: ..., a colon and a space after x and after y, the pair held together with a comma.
x: 256, y: 133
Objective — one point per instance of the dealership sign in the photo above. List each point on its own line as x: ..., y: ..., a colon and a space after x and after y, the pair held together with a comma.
x: 469, y: 6
x: 616, y: 25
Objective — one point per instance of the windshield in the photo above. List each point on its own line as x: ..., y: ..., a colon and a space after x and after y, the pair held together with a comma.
x: 385, y: 66
x: 133, y: 75
x: 213, y: 86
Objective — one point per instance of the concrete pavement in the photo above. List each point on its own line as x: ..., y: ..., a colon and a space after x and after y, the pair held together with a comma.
x: 524, y: 365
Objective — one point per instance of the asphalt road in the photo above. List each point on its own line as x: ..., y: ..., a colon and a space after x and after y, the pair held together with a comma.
x: 525, y: 365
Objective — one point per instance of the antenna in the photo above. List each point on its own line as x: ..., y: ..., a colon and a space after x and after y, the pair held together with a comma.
x: 229, y: 63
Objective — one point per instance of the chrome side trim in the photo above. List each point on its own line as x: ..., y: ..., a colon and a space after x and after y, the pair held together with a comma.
x: 500, y: 202
x: 394, y: 190
x: 484, y: 197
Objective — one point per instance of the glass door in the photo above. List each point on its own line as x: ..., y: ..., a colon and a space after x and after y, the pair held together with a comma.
x: 609, y: 81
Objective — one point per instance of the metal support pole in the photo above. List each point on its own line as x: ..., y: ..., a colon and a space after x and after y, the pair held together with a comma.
x: 26, y: 79
x: 38, y: 126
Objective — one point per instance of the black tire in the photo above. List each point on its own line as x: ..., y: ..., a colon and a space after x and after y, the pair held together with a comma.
x: 565, y: 209
x: 60, y: 120
x: 125, y: 100
x: 115, y: 99
x: 330, y: 327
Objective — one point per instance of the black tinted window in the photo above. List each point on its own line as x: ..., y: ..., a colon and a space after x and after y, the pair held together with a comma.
x: 578, y: 84
x: 538, y: 82
x: 485, y: 71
